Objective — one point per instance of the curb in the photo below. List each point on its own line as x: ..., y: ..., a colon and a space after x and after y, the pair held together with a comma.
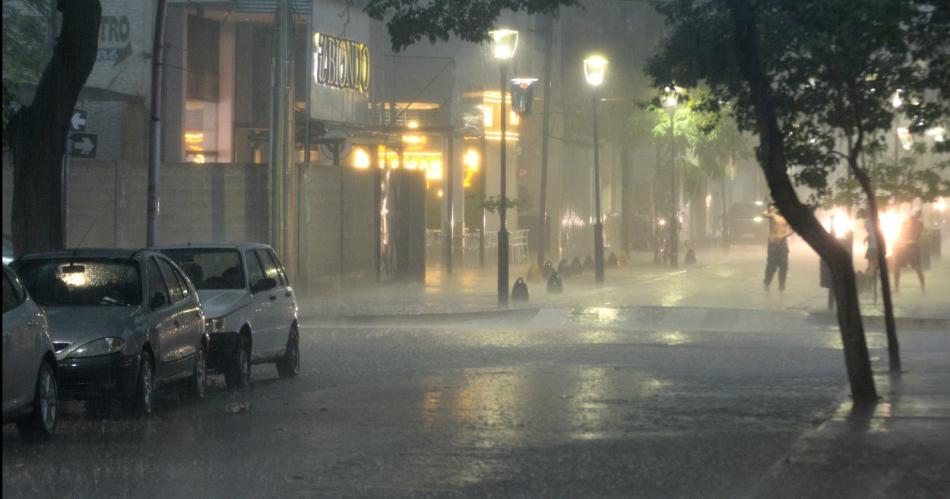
x: 928, y: 324
x: 429, y: 317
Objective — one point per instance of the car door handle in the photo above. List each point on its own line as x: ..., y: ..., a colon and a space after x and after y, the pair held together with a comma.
x: 273, y: 297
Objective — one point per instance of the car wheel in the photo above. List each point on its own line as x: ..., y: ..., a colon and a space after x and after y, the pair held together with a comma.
x: 142, y: 403
x: 196, y: 386
x: 238, y: 374
x: 288, y: 366
x: 41, y: 423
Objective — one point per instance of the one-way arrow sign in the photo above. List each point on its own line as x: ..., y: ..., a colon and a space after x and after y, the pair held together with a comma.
x: 78, y: 121
x: 83, y: 145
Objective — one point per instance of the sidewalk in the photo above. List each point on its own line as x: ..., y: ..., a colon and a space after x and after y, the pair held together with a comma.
x: 729, y: 280
x: 898, y: 448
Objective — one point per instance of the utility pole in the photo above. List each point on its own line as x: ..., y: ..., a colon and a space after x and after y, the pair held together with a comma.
x: 545, y: 144
x: 155, y: 126
x: 278, y: 135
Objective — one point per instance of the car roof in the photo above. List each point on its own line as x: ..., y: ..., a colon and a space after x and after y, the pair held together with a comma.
x: 118, y: 253
x: 212, y: 245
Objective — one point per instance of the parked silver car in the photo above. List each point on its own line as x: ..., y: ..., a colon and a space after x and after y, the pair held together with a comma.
x: 123, y: 323
x: 250, y: 307
x: 29, y: 366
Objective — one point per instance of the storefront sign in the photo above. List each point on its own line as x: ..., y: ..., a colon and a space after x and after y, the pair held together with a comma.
x: 340, y: 63
x: 114, y: 39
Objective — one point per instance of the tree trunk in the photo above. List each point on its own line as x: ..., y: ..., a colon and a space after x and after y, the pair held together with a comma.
x: 893, y: 348
x: 773, y: 162
x: 39, y: 130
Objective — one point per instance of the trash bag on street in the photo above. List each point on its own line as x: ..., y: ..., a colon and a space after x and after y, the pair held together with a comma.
x: 555, y: 286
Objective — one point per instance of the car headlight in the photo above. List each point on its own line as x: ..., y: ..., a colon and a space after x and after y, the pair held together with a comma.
x: 102, y: 346
x: 214, y: 325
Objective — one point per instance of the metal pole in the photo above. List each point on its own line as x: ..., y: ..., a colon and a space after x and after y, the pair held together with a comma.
x: 64, y: 189
x: 155, y: 126
x: 503, y: 208
x: 674, y: 219
x: 545, y: 143
x: 598, y: 225
x: 449, y: 201
x: 483, y: 145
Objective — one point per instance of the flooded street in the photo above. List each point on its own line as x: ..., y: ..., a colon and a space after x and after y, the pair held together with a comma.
x: 472, y: 409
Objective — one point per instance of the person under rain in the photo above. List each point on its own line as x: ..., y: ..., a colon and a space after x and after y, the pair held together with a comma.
x: 871, y: 253
x: 777, y: 258
x: 908, y: 249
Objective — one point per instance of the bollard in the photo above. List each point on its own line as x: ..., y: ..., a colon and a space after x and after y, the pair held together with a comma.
x: 519, y: 292
x: 564, y: 268
x: 588, y: 264
x: 576, y: 267
x: 612, y: 260
x: 547, y: 270
x: 555, y: 286
x: 690, y: 257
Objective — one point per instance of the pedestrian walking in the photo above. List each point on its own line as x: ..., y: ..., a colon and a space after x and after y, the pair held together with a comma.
x: 908, y: 249
x: 777, y: 258
x: 871, y: 254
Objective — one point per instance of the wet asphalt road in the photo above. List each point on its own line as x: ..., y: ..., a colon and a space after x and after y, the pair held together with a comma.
x: 494, y: 408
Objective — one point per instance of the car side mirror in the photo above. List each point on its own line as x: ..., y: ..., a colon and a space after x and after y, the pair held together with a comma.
x: 263, y: 284
x: 158, y: 301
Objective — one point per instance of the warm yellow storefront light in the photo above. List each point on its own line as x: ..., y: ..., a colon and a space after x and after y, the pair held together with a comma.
x: 361, y: 159
x: 412, y: 124
x: 414, y: 139
x: 504, y: 43
x: 595, y: 68
x: 471, y: 162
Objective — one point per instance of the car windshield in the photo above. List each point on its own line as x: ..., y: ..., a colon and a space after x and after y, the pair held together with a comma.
x: 82, y: 282
x: 210, y: 268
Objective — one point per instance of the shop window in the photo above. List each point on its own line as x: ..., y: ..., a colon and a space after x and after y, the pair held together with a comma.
x: 204, y: 131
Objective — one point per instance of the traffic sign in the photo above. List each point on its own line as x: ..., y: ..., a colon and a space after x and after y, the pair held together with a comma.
x: 77, y: 123
x: 83, y: 145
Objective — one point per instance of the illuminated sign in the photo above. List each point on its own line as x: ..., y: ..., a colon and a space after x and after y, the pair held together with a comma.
x: 340, y: 63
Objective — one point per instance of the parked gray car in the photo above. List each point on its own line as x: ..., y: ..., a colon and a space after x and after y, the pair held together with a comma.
x: 123, y: 323
x: 29, y: 366
x: 250, y: 305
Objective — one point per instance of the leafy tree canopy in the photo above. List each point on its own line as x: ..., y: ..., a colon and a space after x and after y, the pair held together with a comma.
x: 835, y: 67
x: 410, y: 21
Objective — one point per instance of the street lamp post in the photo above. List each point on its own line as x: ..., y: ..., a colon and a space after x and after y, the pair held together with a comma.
x: 670, y: 101
x: 504, y: 44
x: 595, y: 67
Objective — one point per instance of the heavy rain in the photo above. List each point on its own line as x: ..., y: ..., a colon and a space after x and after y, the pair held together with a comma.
x: 506, y: 248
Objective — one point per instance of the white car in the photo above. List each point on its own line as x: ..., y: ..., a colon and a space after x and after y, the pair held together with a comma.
x: 30, y: 387
x: 249, y: 305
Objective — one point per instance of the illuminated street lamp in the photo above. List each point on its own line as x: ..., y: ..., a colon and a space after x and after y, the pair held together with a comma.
x: 504, y: 42
x: 670, y: 101
x: 595, y: 67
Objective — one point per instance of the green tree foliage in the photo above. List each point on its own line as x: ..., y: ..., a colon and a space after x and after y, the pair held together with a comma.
x: 410, y: 21
x: 835, y: 66
x: 26, y: 49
